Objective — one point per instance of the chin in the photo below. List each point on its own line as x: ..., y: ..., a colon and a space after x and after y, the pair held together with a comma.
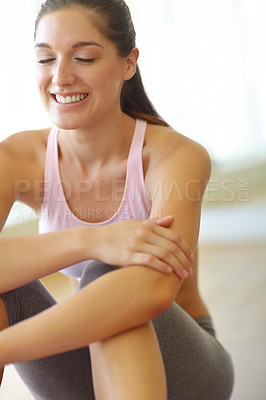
x: 67, y: 124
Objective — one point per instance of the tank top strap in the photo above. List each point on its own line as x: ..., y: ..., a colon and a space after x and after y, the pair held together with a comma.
x: 51, y: 172
x: 135, y: 173
x: 135, y: 153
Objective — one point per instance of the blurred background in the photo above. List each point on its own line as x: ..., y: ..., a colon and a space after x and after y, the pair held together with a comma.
x: 203, y: 64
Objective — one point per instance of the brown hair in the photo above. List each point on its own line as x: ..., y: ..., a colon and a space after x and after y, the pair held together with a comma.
x: 113, y: 19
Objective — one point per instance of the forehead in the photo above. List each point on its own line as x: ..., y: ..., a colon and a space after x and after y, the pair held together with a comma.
x: 68, y: 26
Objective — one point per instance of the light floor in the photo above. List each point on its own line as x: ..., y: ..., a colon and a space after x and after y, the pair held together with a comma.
x: 233, y: 282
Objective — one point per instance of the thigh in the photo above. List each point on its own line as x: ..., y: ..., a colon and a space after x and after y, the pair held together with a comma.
x: 197, y: 366
x: 63, y: 377
x: 27, y: 301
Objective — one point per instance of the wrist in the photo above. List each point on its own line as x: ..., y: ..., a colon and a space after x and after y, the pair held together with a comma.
x: 87, y: 242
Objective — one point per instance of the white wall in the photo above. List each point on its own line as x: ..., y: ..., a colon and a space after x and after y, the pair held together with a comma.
x: 20, y: 105
x: 203, y: 64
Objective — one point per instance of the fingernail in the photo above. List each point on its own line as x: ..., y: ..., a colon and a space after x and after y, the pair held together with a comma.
x: 169, y: 270
x: 192, y: 258
x: 190, y: 271
x: 185, y: 274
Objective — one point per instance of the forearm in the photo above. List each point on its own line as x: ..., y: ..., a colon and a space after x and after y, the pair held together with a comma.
x: 25, y: 259
x: 118, y: 301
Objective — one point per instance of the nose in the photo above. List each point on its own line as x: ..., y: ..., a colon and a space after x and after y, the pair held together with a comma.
x: 63, y: 75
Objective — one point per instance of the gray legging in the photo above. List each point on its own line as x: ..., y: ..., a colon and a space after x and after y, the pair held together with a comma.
x: 197, y: 366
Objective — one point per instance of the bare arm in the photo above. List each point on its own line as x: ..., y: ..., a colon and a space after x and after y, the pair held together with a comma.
x: 25, y: 259
x: 109, y: 305
x: 102, y: 309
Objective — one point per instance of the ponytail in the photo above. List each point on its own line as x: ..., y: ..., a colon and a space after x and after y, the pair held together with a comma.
x: 135, y: 102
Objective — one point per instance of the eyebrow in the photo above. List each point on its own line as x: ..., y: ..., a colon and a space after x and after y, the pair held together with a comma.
x: 75, y: 46
x: 82, y: 44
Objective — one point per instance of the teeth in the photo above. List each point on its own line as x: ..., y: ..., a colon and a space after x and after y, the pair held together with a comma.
x: 69, y: 99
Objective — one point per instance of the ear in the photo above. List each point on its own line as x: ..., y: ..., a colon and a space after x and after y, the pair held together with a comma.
x: 131, y: 63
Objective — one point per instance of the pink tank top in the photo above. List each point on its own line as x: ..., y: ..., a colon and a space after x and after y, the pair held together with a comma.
x: 55, y: 212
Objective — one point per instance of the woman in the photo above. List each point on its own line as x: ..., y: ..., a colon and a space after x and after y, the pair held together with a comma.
x: 120, y: 187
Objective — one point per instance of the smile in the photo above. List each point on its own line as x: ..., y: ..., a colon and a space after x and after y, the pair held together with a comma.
x: 71, y: 99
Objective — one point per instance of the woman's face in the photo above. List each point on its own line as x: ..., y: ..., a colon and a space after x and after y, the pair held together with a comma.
x: 79, y: 72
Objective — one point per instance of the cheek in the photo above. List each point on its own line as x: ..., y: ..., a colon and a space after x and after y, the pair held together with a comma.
x: 41, y: 79
x: 42, y: 85
x: 111, y: 77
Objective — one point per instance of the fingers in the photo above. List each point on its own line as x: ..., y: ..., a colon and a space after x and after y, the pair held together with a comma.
x: 161, y: 254
x: 151, y: 261
x: 173, y: 259
x: 156, y: 259
x: 164, y: 221
x: 173, y: 252
x: 153, y: 244
x: 175, y: 238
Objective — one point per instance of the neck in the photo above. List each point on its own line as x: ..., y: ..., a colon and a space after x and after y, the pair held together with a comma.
x: 98, y: 143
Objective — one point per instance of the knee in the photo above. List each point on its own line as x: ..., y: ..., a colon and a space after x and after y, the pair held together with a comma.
x: 94, y: 270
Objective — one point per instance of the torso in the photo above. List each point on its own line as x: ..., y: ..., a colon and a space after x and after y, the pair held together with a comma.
x: 31, y: 156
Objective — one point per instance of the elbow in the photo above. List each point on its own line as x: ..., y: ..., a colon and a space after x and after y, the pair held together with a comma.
x: 148, y: 307
x: 164, y: 301
x: 156, y: 293
x: 162, y: 304
x: 163, y: 295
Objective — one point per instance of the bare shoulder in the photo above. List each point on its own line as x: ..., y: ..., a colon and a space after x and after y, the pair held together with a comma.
x: 26, y: 145
x: 22, y: 159
x: 169, y: 152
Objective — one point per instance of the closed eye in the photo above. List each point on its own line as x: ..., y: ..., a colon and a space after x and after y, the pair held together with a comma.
x: 85, y: 60
x: 46, y: 61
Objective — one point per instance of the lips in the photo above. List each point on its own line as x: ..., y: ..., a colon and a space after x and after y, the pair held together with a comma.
x: 67, y: 99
